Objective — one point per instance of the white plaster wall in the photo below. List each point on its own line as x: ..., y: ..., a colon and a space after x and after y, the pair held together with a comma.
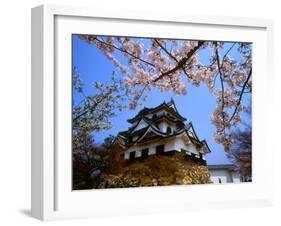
x: 163, y: 126
x: 169, y: 146
x: 152, y: 150
x: 133, y: 148
x: 191, y: 147
x: 181, y: 144
x: 142, y: 124
x: 127, y: 155
x: 235, y: 177
x: 173, y: 127
x: 138, y: 148
x: 138, y: 154
x: 175, y: 143
x: 223, y: 174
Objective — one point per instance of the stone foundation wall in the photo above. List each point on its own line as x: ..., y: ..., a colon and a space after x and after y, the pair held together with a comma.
x: 156, y: 170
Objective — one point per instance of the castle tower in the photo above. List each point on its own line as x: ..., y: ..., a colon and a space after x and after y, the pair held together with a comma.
x: 161, y: 131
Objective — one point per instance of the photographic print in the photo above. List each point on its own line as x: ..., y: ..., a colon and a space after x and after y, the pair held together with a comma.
x: 156, y: 112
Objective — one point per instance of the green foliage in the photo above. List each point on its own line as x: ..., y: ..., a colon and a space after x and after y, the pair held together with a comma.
x: 93, y: 113
x: 108, y: 141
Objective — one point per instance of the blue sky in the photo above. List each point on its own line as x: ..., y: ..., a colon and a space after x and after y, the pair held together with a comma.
x: 197, y: 106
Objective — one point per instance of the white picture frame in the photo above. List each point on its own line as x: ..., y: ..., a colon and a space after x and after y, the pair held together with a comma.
x: 52, y: 197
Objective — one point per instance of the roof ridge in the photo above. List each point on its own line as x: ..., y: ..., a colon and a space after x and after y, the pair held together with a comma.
x: 145, y: 109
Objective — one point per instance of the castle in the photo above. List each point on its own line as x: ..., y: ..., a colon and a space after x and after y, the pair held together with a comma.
x: 161, y: 131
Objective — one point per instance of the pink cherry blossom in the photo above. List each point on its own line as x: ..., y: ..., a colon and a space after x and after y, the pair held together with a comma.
x: 169, y: 65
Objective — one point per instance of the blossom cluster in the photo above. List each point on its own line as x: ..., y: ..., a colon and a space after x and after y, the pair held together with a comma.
x: 169, y: 65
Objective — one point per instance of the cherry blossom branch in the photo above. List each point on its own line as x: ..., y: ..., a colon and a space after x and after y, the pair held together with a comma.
x: 166, y: 51
x: 221, y: 78
x: 124, y: 51
x: 172, y: 84
x: 241, y: 94
x: 90, y: 108
x: 181, y: 62
x: 225, y: 55
x: 223, y: 59
x: 171, y: 56
x: 142, y: 91
x: 138, y: 97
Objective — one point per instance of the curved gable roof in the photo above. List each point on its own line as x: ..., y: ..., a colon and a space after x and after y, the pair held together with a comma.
x: 164, y: 105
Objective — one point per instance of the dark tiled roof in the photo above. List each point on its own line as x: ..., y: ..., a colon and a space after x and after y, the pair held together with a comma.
x: 165, y: 105
x: 204, y: 142
x: 222, y: 166
x: 168, y: 118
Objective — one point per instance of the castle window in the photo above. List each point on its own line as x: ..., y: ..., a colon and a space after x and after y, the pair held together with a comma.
x: 132, y: 155
x: 169, y: 130
x: 160, y: 149
x: 144, y: 152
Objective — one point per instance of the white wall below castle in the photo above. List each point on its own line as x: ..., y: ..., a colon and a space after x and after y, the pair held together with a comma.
x: 235, y: 177
x: 224, y: 175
